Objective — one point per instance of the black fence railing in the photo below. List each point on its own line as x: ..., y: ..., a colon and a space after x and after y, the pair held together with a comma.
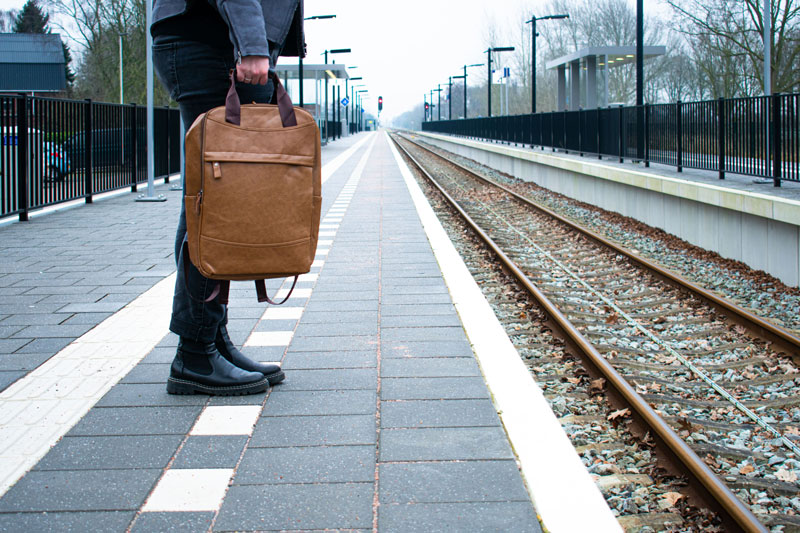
x: 757, y: 136
x: 75, y: 149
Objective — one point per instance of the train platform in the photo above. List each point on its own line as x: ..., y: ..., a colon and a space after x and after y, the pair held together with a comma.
x: 405, y: 407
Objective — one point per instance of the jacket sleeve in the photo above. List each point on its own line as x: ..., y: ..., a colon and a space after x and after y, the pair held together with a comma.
x: 246, y: 28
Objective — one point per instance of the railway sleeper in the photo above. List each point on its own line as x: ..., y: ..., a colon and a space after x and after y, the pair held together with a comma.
x: 656, y: 521
x: 659, y: 367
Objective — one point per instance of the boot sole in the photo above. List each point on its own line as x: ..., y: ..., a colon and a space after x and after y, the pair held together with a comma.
x: 275, y: 377
x: 183, y: 386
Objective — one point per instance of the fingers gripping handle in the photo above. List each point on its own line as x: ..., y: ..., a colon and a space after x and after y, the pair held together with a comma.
x: 233, y: 107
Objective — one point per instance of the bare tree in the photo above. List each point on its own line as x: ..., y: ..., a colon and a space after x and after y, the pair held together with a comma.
x: 7, y: 19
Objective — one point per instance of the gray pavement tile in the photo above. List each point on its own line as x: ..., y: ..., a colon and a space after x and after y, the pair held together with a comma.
x: 169, y: 340
x: 303, y: 464
x: 113, y: 452
x: 307, y: 360
x: 418, y: 310
x: 210, y: 451
x: 280, y: 431
x: 431, y: 333
x: 110, y: 307
x: 334, y: 344
x: 410, y: 275
x: 45, y: 345
x: 86, y: 318
x: 70, y: 299
x: 239, y: 311
x: 444, y: 444
x: 159, y: 355
x: 39, y: 319
x: 433, y: 388
x: 148, y: 373
x: 433, y: 281
x: 438, y: 413
x: 420, y: 321
x: 352, y: 402
x: 9, y: 377
x: 82, y: 490
x: 448, y: 517
x: 342, y: 305
x: 241, y: 324
x: 137, y: 421
x: 147, y: 395
x: 336, y: 329
x: 343, y: 280
x: 451, y: 482
x: 12, y: 345
x: 71, y: 331
x: 354, y: 285
x: 32, y: 309
x: 423, y: 259
x: 24, y: 361
x: 430, y: 367
x: 331, y: 379
x: 183, y: 522
x: 264, y: 353
x: 71, y: 522
x: 400, y: 298
x: 275, y: 325
x: 346, y: 317
x: 325, y: 506
x: 346, y: 294
x: 392, y: 349
x: 248, y: 399
x: 412, y: 288
x: 9, y: 330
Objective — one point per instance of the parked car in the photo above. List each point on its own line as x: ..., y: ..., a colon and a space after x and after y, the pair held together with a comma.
x: 57, y: 162
x: 110, y: 147
x: 47, y: 159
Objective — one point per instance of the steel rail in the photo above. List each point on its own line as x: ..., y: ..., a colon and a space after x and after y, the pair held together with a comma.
x: 732, y: 510
x: 760, y: 326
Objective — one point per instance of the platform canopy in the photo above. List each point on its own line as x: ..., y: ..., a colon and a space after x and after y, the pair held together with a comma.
x: 334, y: 71
x: 586, y: 61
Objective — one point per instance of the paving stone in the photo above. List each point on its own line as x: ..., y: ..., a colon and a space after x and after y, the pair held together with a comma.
x: 93, y: 453
x: 340, y: 379
x: 444, y: 482
x: 45, y: 345
x: 352, y: 402
x: 438, y: 413
x: 336, y: 329
x: 344, y: 305
x: 334, y: 344
x: 445, y: 517
x: 391, y: 349
x: 429, y: 367
x: 73, y: 331
x: 210, y: 451
x: 7, y: 331
x: 264, y: 353
x: 296, y: 507
x: 433, y: 388
x: 148, y: 373
x: 137, y: 421
x: 163, y: 355
x: 180, y: 522
x: 247, y: 399
x: 280, y: 431
x: 83, y: 490
x: 310, y: 360
x: 303, y: 464
x: 22, y: 362
x: 8, y: 346
x: 108, y: 307
x: 96, y: 522
x: 86, y: 318
x: 415, y: 299
x: 430, y: 333
x: 7, y: 378
x: 38, y: 319
x: 275, y: 325
x: 435, y: 281
x: 388, y: 310
x: 444, y: 444
x: 147, y: 394
x: 336, y: 317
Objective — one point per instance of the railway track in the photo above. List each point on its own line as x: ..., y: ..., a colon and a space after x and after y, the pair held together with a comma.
x: 699, y: 376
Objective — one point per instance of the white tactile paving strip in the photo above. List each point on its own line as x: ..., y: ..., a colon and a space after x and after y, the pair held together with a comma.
x: 553, y: 471
x: 198, y: 489
x: 40, y: 408
x: 226, y: 420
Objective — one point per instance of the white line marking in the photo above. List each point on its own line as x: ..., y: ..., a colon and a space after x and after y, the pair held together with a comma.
x: 282, y: 313
x: 226, y: 420
x: 269, y: 338
x: 555, y: 474
x: 189, y: 490
x: 326, y: 242
x: 296, y: 293
x: 307, y: 277
x: 40, y: 408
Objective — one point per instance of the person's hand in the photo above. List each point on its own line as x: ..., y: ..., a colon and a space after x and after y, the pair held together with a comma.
x: 253, y: 69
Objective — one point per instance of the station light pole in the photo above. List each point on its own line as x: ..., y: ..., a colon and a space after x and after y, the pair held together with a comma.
x: 438, y: 90
x: 639, y: 80
x: 325, y: 53
x: 350, y: 104
x: 489, y: 54
x: 450, y: 96
x: 465, y: 84
x: 300, y: 55
x: 534, y: 34
x: 361, y: 109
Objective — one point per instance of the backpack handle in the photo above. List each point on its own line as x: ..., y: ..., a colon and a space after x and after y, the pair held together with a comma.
x: 233, y: 106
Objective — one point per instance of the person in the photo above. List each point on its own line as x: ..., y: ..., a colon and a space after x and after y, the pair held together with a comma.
x: 196, y: 44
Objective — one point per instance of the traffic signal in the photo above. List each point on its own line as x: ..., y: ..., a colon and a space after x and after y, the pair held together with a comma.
x: 426, y: 106
x: 380, y: 104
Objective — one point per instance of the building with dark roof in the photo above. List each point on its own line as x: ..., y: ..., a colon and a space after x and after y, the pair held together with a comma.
x: 31, y: 63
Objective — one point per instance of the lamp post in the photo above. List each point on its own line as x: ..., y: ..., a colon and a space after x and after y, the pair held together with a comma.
x: 489, y: 54
x: 534, y: 34
x: 300, y: 62
x: 450, y: 113
x: 349, y: 105
x: 465, y: 84
x: 639, y: 80
x: 325, y: 53
x: 439, y: 96
x: 361, y: 109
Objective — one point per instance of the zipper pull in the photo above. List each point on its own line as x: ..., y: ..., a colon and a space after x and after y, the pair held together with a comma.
x: 198, y: 201
x: 217, y: 170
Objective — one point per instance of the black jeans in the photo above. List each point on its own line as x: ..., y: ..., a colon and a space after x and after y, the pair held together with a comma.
x: 196, y: 75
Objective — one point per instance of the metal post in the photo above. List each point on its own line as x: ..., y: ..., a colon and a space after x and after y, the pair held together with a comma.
x: 338, y: 112
x: 639, y: 79
x: 326, y: 98
x: 533, y: 65
x: 150, y: 196
x: 646, y: 135
x: 721, y: 137
x: 465, y: 91
x: 22, y: 157
x: 599, y: 133
x: 134, y: 150
x: 450, y: 98
x: 439, y: 96
x: 88, y: 162
x: 621, y: 135
x: 300, y: 75
x: 489, y: 63
x: 679, y: 110
x: 776, y: 139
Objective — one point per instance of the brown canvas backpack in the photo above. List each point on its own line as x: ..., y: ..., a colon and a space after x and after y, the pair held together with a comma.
x: 253, y: 191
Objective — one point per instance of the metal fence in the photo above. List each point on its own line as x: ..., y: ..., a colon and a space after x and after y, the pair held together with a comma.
x: 76, y: 149
x: 757, y: 136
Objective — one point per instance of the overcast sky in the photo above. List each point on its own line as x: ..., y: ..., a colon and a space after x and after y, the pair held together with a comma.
x: 403, y: 49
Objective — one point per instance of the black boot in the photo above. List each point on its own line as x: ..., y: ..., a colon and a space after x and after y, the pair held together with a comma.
x: 229, y: 351
x: 199, y: 368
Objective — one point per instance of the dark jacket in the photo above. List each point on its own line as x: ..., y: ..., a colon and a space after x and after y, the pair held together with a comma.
x: 251, y: 23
